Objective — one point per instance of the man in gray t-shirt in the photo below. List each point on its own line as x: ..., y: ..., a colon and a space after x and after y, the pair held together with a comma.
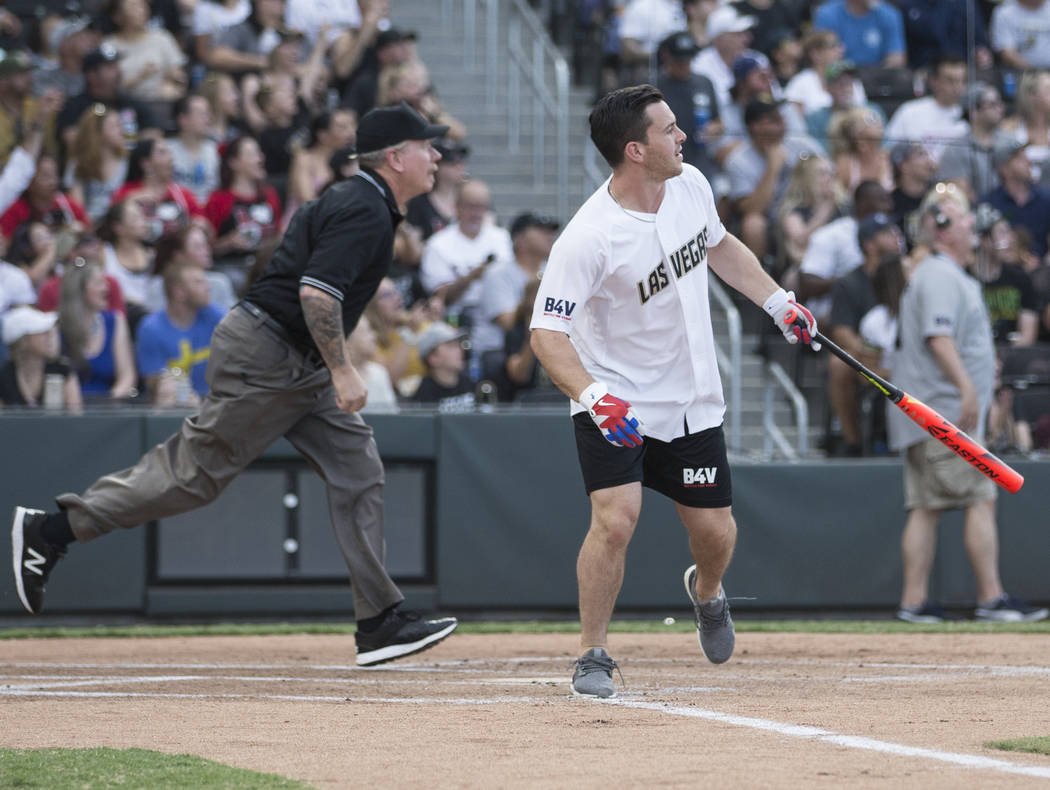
x: 947, y: 360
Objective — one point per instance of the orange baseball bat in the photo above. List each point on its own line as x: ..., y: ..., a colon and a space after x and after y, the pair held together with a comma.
x: 934, y: 424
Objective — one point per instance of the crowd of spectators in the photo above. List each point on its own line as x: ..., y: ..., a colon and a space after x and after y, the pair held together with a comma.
x: 152, y: 156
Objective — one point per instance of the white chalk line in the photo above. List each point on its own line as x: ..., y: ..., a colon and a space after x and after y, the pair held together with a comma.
x: 838, y: 739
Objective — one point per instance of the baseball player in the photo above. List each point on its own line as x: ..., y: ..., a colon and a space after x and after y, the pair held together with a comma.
x: 622, y: 325
x: 279, y: 367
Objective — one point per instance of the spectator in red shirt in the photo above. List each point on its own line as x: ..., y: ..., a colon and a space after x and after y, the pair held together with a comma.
x: 44, y: 202
x: 151, y: 178
x: 244, y: 211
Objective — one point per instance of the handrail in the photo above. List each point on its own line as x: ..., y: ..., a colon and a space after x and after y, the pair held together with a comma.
x: 801, y: 408
x: 735, y: 342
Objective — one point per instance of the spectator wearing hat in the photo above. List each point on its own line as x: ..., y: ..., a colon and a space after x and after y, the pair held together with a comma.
x: 102, y: 84
x: 810, y: 88
x: 834, y: 250
x: 152, y: 64
x: 32, y: 340
x: 753, y: 79
x: 729, y: 33
x: 455, y: 258
x: 392, y: 47
x: 871, y: 31
x: 842, y: 84
x: 70, y: 39
x: 933, y: 28
x: 693, y: 101
x: 1020, y: 32
x: 195, y: 156
x: 20, y: 111
x: 759, y: 171
x: 852, y: 296
x: 913, y: 172
x: 1018, y: 198
x: 446, y: 383
x: 644, y: 24
x: 503, y: 286
x: 969, y: 162
x: 437, y: 208
x: 937, y: 119
x: 1009, y: 294
x: 344, y: 164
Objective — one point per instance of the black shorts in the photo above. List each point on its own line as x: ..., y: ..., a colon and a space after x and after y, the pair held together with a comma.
x: 692, y: 470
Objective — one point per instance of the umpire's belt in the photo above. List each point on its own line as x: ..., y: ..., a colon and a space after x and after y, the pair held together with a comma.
x: 271, y: 323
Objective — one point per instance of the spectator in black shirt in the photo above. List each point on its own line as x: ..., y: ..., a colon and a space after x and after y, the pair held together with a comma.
x: 446, y: 382
x: 25, y: 378
x: 1007, y: 288
x: 279, y: 367
x: 437, y: 208
x: 692, y: 99
x: 913, y: 170
x: 392, y: 47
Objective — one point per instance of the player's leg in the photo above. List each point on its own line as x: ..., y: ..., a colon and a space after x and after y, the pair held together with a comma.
x: 712, y: 538
x: 918, y: 547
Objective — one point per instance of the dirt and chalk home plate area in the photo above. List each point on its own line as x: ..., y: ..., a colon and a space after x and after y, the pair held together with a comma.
x: 790, y: 710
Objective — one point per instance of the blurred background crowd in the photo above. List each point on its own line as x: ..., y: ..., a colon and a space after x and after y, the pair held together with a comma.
x: 152, y: 154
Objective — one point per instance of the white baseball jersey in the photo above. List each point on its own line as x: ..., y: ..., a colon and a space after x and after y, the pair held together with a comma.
x: 630, y: 290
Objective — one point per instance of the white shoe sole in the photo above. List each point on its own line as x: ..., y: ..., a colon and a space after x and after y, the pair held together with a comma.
x: 17, y: 545
x: 582, y: 695
x: 390, y: 652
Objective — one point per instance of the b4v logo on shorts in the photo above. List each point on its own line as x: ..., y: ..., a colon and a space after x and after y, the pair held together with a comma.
x: 558, y: 307
x: 704, y: 476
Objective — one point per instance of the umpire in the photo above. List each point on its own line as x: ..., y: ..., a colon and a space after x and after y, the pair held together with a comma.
x: 279, y: 367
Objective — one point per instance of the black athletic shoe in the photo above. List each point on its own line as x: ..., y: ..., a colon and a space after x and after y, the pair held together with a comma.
x: 401, y: 634
x: 32, y: 556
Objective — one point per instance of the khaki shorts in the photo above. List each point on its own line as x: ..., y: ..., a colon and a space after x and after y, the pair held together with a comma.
x: 935, y: 478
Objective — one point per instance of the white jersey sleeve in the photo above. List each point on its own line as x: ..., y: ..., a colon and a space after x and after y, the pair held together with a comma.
x: 573, y: 274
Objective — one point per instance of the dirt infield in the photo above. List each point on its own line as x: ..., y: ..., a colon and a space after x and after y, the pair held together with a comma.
x: 789, y: 711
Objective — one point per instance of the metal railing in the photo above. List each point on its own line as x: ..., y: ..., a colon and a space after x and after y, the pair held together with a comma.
x: 777, y: 377
x: 730, y: 366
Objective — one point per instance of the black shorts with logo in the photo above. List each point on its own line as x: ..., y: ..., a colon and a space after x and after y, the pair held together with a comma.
x: 692, y: 470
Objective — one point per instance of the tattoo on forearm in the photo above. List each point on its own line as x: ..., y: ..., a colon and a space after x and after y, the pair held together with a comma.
x: 324, y: 319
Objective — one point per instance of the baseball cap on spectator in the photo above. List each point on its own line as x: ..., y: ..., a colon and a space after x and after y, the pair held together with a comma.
x: 451, y: 151
x: 382, y: 127
x: 393, y: 36
x: 838, y: 68
x: 14, y: 61
x: 746, y: 62
x: 1005, y: 150
x: 871, y: 226
x: 759, y: 108
x: 726, y: 19
x: 25, y: 320
x: 905, y: 150
x: 342, y: 156
x: 64, y: 28
x: 434, y: 335
x: 527, y: 220
x: 679, y: 46
x: 106, y: 53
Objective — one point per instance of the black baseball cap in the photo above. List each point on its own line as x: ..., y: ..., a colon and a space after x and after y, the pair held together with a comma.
x: 393, y: 36
x: 382, y: 127
x: 451, y: 151
x: 528, y: 219
x: 873, y: 225
x: 342, y: 156
x: 680, y: 46
x: 107, y: 53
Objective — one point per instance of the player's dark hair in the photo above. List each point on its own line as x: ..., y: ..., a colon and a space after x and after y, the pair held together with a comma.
x: 619, y: 118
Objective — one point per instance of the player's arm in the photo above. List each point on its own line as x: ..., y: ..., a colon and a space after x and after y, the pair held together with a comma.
x: 556, y: 353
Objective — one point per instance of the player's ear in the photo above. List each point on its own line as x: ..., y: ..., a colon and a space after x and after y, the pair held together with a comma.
x: 634, y: 151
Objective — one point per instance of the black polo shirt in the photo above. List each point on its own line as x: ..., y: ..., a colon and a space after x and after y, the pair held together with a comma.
x: 341, y: 243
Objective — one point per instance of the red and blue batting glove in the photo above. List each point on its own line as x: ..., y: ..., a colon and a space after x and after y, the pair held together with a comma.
x: 792, y: 318
x: 614, y: 417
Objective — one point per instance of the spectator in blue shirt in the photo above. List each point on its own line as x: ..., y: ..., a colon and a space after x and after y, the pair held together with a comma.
x: 871, y: 31
x: 1017, y: 197
x: 174, y: 344
x: 935, y: 28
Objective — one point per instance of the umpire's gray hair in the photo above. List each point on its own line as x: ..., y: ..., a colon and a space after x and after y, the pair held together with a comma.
x: 374, y: 159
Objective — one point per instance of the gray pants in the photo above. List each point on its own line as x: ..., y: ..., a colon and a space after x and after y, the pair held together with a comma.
x: 262, y: 388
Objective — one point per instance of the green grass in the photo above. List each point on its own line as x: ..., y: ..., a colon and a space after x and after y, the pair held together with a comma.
x: 633, y: 626
x: 127, y: 769
x: 1037, y: 745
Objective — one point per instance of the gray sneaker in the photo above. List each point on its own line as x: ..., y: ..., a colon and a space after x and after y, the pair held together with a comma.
x: 714, y: 626
x: 593, y: 674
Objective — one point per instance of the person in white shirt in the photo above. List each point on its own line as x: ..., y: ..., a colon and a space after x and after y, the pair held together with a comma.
x: 729, y: 34
x: 809, y: 88
x: 455, y: 258
x: 623, y: 308
x: 937, y: 119
x: 194, y: 155
x: 1020, y: 33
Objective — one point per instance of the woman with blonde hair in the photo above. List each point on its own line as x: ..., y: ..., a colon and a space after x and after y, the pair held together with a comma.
x: 98, y: 159
x: 1031, y: 124
x: 224, y: 99
x: 855, y: 138
x: 812, y: 199
x: 96, y: 340
x: 410, y: 82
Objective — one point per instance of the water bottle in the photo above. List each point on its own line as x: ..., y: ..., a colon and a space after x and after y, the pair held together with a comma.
x: 1009, y: 85
x: 53, y: 396
x: 183, y: 386
x: 486, y: 397
x: 701, y: 115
